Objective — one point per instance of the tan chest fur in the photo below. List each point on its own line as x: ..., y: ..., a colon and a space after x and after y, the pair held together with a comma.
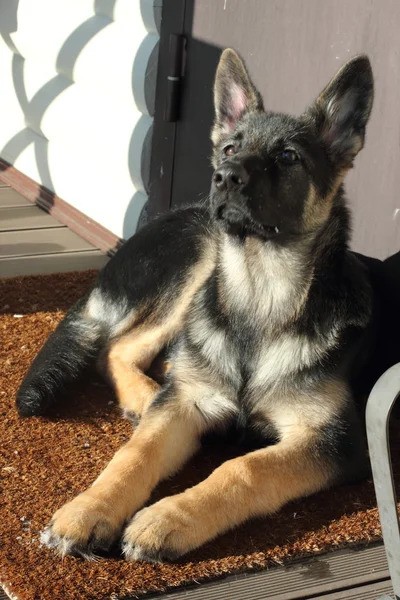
x: 266, y: 282
x: 268, y: 287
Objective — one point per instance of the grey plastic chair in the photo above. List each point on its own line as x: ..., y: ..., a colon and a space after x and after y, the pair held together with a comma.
x: 379, y: 407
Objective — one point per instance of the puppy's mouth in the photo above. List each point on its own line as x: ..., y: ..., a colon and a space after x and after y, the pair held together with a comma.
x: 237, y: 222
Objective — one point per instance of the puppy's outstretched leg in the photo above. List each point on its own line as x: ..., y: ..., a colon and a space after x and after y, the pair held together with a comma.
x: 168, y: 434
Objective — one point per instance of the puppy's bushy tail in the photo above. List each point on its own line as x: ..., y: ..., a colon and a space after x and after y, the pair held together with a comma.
x: 70, y: 349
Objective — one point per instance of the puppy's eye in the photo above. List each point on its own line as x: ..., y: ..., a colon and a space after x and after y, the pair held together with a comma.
x: 288, y: 156
x: 230, y: 150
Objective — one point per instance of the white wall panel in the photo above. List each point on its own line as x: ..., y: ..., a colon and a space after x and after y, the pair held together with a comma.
x: 75, y: 100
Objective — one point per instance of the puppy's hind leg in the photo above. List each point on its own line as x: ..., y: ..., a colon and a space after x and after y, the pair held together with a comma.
x: 128, y: 359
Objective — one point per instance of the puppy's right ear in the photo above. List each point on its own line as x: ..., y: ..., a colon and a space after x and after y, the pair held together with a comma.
x: 234, y: 95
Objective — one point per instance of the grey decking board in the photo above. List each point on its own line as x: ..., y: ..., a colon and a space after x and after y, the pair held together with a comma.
x: 41, y: 241
x: 257, y: 587
x: 302, y: 580
x: 365, y: 592
x: 33, y: 242
x: 9, y: 197
x: 52, y: 263
x: 19, y: 218
x: 6, y: 595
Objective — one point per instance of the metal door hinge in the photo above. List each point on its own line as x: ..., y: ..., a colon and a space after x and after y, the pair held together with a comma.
x: 176, y: 55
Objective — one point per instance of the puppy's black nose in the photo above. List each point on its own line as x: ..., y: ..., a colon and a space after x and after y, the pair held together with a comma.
x: 229, y: 177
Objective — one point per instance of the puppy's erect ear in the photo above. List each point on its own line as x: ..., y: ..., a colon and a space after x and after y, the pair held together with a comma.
x: 234, y: 94
x: 342, y: 110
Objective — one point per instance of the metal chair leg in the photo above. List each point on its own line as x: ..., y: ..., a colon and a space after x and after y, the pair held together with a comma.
x: 379, y: 406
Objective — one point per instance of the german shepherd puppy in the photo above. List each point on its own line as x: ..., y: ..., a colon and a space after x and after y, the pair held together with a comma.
x: 267, y: 316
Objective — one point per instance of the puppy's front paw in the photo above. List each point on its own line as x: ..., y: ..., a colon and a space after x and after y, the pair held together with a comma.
x: 82, y: 526
x: 160, y: 532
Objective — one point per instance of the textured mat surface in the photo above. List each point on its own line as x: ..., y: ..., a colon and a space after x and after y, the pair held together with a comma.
x: 46, y: 461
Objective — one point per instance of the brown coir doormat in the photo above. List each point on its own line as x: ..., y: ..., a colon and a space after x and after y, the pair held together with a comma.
x: 46, y: 461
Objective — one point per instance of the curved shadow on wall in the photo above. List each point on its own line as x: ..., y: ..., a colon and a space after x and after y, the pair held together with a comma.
x: 35, y: 109
x: 9, y: 21
x: 140, y: 146
x: 65, y: 62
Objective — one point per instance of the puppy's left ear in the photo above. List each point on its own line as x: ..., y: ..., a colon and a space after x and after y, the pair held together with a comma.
x: 234, y: 94
x: 342, y: 110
